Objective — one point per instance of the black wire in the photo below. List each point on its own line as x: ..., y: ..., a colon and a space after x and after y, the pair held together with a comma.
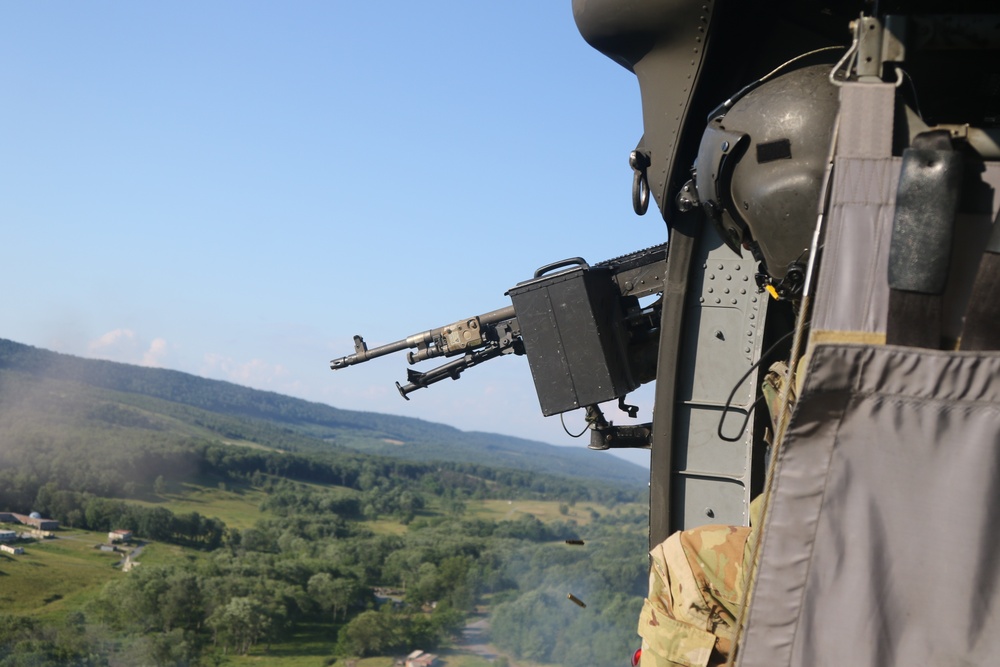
x: 723, y: 108
x: 563, y: 422
x: 750, y: 370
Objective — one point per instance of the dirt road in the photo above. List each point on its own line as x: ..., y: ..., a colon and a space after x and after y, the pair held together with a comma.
x: 475, y: 639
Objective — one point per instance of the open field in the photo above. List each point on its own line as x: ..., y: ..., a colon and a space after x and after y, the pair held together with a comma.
x: 160, y: 553
x: 385, y: 527
x: 237, y: 507
x: 55, y: 576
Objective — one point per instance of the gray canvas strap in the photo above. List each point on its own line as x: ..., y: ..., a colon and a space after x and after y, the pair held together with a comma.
x: 852, y: 290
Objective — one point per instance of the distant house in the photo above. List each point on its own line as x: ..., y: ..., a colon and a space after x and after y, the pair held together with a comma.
x: 384, y: 594
x: 7, y: 535
x: 420, y: 659
x: 33, y: 520
x: 6, y: 548
x: 120, y: 535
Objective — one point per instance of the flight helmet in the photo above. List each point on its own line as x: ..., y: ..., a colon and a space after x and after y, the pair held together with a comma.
x: 760, y: 167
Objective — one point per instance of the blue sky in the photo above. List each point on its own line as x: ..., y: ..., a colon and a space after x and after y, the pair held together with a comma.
x: 235, y: 189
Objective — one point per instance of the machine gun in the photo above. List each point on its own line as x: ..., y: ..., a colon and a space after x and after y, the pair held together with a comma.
x: 587, y: 338
x: 478, y: 339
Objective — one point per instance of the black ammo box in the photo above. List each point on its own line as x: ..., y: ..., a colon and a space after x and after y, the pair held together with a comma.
x: 574, y: 336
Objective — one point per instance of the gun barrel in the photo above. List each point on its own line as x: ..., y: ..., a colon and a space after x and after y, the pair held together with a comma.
x: 363, y: 354
x: 498, y: 315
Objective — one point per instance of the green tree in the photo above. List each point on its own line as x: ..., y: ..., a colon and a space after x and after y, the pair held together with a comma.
x: 182, y: 604
x: 401, y: 566
x: 362, y: 636
x: 322, y: 589
x: 426, y: 587
x: 240, y: 624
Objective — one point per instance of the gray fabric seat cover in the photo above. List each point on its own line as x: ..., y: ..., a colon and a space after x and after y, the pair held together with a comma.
x: 882, y: 546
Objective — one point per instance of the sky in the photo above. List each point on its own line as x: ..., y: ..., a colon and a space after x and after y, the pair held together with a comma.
x: 235, y: 189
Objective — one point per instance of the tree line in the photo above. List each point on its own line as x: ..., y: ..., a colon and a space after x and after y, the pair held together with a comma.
x: 264, y: 584
x: 316, y: 563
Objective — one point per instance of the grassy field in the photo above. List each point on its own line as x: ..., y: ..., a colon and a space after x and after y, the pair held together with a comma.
x: 236, y: 506
x: 159, y: 553
x: 55, y: 576
x: 385, y: 527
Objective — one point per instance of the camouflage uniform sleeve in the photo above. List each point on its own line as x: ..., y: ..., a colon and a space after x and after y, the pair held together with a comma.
x: 695, y: 589
x: 667, y: 641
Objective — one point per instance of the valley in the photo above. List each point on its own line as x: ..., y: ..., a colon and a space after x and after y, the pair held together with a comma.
x: 263, y: 545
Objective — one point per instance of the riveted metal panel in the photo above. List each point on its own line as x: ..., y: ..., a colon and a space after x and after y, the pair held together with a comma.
x: 722, y: 339
x: 704, y: 500
x: 701, y: 450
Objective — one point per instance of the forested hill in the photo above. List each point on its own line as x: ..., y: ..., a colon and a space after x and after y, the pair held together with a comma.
x: 234, y: 413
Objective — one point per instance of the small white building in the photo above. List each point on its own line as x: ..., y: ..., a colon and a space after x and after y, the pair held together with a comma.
x: 7, y: 535
x: 420, y: 659
x: 120, y: 535
x: 6, y: 548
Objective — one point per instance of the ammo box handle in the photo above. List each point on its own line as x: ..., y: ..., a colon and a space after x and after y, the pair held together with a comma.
x: 572, y: 261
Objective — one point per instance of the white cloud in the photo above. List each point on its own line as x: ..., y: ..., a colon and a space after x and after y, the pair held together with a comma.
x: 157, y: 350
x: 253, y: 373
x: 113, y: 340
x: 126, y: 346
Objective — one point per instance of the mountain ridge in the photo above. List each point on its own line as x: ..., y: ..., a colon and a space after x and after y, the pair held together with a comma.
x: 313, y: 425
